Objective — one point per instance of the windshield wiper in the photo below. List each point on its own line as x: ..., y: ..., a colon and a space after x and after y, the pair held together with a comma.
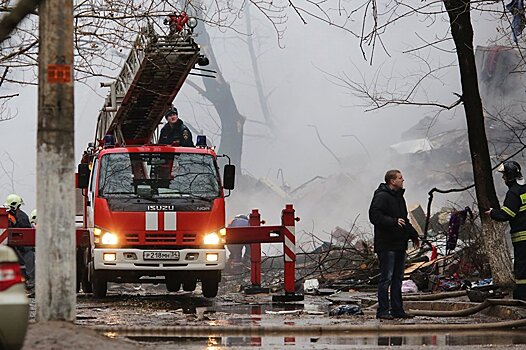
x: 133, y: 195
x: 191, y: 195
x: 148, y: 199
x: 108, y: 193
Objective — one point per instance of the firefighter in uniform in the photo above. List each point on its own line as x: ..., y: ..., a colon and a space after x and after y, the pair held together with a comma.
x: 19, y: 219
x: 33, y: 218
x: 514, y: 211
x: 175, y: 130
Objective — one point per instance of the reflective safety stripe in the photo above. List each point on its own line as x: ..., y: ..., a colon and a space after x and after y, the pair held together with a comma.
x: 523, y: 208
x: 152, y: 222
x: 170, y: 221
x: 518, y: 236
x: 11, y: 218
x: 3, y: 237
x: 523, y: 281
x: 508, y: 211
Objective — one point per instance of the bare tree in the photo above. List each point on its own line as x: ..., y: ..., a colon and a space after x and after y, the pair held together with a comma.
x: 461, y: 31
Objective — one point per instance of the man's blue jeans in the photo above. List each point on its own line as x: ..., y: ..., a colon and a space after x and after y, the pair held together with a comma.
x: 392, y: 263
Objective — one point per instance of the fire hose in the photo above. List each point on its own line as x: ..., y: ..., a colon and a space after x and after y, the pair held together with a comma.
x: 472, y: 310
x: 321, y: 330
x: 311, y: 330
x: 430, y: 297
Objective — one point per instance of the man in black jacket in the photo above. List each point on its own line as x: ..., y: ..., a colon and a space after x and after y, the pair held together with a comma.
x: 392, y: 230
x: 514, y: 211
x: 175, y: 130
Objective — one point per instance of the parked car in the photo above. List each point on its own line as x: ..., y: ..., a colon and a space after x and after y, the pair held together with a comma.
x: 14, y: 304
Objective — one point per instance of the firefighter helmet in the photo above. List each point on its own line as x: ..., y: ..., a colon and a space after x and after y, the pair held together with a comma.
x: 13, y: 202
x: 511, y: 169
x: 171, y: 111
x: 33, y: 217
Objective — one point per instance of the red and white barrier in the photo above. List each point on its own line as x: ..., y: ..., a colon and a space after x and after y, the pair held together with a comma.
x: 255, y: 234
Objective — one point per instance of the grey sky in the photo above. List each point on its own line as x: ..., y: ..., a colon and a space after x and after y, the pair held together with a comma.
x: 302, y: 95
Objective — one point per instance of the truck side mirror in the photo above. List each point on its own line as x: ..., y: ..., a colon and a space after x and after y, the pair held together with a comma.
x: 229, y: 176
x: 83, y: 175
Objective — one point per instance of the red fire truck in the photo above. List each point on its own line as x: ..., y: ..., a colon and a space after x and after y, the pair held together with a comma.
x: 153, y: 213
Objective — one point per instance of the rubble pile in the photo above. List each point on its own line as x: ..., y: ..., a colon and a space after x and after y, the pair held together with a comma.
x: 347, y: 261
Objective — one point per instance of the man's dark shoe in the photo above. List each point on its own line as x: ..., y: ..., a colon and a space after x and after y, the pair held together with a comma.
x: 384, y: 317
x: 404, y: 315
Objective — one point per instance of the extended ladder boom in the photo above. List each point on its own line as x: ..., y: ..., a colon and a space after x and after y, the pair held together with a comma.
x: 153, y: 74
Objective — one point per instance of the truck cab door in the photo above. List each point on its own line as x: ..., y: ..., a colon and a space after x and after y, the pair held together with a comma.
x: 91, y: 194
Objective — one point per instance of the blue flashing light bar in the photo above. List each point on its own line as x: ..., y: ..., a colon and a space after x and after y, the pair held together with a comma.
x: 201, y: 141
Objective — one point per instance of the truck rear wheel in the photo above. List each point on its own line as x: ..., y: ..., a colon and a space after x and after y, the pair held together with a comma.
x: 189, y: 285
x: 173, y: 285
x: 79, y: 270
x: 86, y: 284
x: 99, y: 285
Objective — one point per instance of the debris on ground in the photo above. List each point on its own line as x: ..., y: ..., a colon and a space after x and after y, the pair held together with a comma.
x: 346, y: 310
x: 347, y: 261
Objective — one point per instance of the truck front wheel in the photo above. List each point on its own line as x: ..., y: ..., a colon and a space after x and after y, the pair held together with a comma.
x: 210, y: 285
x: 99, y: 285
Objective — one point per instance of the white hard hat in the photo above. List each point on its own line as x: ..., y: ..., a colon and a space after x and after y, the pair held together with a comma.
x: 33, y: 217
x: 13, y: 201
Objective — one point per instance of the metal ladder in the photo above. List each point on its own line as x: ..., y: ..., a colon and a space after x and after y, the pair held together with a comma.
x: 151, y: 77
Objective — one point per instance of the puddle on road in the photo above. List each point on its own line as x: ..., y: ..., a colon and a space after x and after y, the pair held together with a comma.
x: 256, y: 314
x: 345, y: 341
x: 271, y: 308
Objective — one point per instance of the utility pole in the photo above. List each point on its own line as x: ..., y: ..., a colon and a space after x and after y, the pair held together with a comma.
x: 55, y: 236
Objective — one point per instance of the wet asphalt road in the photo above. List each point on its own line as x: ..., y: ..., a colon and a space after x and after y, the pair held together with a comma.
x: 153, y: 306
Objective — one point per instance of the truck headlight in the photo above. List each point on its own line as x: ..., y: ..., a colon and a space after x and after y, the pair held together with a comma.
x: 109, y: 238
x: 212, y: 239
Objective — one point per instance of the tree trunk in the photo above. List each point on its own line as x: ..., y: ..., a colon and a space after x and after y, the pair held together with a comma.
x: 494, y: 242
x: 55, y: 237
x: 219, y: 93
x: 258, y: 81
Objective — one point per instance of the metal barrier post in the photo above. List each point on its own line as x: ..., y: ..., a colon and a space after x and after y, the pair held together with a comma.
x: 255, y: 251
x: 289, y: 251
x: 4, y: 223
x: 255, y: 259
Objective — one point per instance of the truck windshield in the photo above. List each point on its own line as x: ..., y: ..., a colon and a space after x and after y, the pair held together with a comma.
x: 158, y: 175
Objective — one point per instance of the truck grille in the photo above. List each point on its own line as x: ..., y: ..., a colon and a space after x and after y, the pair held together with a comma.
x: 132, y: 238
x: 189, y: 237
x: 160, y: 238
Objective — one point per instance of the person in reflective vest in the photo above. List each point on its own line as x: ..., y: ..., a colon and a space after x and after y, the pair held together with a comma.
x: 513, y: 210
x: 33, y: 218
x: 19, y: 219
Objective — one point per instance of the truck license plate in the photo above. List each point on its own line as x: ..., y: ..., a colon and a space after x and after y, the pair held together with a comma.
x: 161, y: 255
